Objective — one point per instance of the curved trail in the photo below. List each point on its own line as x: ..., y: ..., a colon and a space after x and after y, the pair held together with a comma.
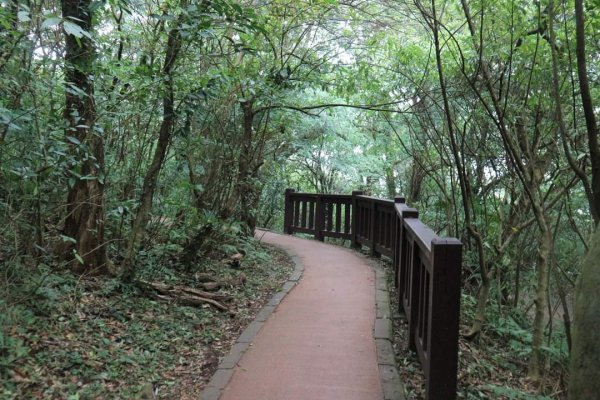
x: 318, y: 344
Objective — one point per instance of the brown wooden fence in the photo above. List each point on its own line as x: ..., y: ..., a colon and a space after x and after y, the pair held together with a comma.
x: 427, y: 269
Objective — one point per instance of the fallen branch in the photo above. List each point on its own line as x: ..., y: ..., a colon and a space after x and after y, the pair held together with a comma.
x: 202, y: 293
x: 187, y: 295
x: 196, y: 301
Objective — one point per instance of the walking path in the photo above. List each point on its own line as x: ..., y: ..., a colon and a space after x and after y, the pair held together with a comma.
x: 319, y: 342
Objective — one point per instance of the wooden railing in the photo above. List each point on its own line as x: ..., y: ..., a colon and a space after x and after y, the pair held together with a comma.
x: 427, y: 269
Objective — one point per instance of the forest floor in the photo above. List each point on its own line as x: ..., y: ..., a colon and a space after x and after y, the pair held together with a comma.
x: 493, y: 366
x: 75, y: 337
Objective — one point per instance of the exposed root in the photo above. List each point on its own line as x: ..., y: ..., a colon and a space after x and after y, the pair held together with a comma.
x: 187, y: 295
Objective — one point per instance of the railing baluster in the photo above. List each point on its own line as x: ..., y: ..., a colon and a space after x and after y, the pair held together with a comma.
x: 403, y: 267
x: 319, y: 219
x: 397, y: 245
x: 338, y: 217
x: 329, y: 216
x: 304, y: 204
x: 355, y: 218
x: 413, y: 293
x: 373, y: 228
x: 297, y: 213
x: 364, y: 230
x: 347, y: 221
x: 386, y: 230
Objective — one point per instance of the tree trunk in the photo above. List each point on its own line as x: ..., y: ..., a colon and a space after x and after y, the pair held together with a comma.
x: 246, y: 190
x: 85, y: 199
x: 164, y: 137
x: 541, y: 293
x: 585, y: 353
x: 479, y: 317
x: 390, y: 181
x: 417, y: 174
x: 588, y: 109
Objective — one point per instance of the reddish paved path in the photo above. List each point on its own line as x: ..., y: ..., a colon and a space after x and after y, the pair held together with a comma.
x: 318, y: 344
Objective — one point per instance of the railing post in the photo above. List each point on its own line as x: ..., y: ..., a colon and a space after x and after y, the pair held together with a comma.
x: 355, y: 194
x: 374, y: 227
x: 288, y: 212
x: 396, y: 243
x: 443, y: 314
x: 319, y: 218
x: 409, y: 275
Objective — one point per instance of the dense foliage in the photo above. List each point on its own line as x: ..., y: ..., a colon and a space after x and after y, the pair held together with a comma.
x: 135, y: 131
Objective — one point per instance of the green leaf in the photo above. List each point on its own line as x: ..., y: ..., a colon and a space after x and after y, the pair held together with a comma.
x: 75, y: 30
x: 73, y: 140
x: 68, y: 239
x: 23, y: 16
x: 50, y: 22
x: 163, y: 17
x: 78, y: 257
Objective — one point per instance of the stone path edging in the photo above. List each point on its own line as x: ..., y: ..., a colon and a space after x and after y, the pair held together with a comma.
x: 390, y: 378
x: 224, y: 372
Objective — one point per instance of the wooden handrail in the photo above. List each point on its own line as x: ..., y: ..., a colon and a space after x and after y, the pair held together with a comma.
x: 427, y: 269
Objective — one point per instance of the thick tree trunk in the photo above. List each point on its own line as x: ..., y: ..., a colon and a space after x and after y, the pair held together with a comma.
x: 588, y: 109
x: 246, y: 190
x: 585, y: 354
x: 85, y: 199
x: 164, y: 137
